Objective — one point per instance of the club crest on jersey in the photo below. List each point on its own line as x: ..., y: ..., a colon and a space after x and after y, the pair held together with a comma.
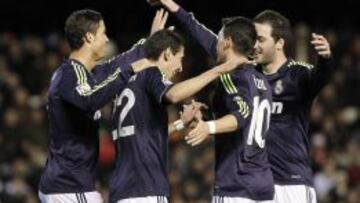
x: 82, y: 88
x: 279, y: 88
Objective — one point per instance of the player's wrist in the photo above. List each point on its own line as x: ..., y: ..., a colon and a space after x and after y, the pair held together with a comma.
x: 179, y: 125
x: 211, y: 126
x: 172, y: 6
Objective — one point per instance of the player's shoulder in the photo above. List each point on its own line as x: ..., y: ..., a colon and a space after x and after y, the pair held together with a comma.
x: 296, y: 69
x: 243, y: 72
x: 247, y: 73
x: 71, y: 67
x: 150, y: 75
x: 64, y: 69
x: 296, y: 65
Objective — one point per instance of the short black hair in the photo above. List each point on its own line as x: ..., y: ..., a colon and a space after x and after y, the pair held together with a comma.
x: 242, y: 32
x: 160, y: 41
x: 281, y: 28
x: 78, y: 24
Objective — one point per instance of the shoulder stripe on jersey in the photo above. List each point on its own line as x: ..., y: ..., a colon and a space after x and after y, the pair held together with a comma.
x: 82, y: 80
x: 232, y: 86
x: 300, y: 63
x: 103, y: 83
x: 83, y: 73
x: 228, y: 84
x: 77, y: 72
x: 80, y: 74
x: 224, y: 84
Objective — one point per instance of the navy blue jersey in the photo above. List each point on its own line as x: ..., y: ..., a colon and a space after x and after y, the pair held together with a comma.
x: 242, y: 167
x: 75, y: 96
x: 140, y: 132
x: 294, y: 88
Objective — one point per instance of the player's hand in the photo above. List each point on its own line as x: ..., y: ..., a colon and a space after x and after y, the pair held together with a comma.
x: 170, y: 5
x: 321, y: 45
x: 159, y: 21
x: 198, y: 134
x: 192, y: 111
x: 232, y: 64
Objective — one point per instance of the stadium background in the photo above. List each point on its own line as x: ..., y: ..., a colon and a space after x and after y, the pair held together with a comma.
x: 32, y: 46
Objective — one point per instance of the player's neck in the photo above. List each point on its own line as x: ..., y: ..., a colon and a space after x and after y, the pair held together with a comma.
x: 141, y: 64
x: 156, y: 63
x: 275, y: 65
x: 233, y: 55
x: 84, y: 57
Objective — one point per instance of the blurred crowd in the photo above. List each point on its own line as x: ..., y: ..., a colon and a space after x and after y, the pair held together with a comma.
x: 27, y: 62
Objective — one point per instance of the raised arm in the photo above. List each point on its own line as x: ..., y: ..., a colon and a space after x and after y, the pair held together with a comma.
x: 317, y: 77
x: 205, y: 37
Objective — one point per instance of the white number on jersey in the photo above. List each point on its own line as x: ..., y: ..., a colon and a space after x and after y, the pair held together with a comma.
x: 124, y: 131
x: 258, y: 127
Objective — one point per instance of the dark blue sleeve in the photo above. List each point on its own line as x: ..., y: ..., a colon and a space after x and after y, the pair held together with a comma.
x: 207, y: 39
x: 237, y: 101
x: 75, y: 89
x: 317, y: 77
x: 122, y: 61
x: 156, y: 84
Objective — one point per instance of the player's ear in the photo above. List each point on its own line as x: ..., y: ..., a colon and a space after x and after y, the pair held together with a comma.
x: 89, y: 37
x: 167, y: 54
x: 228, y: 43
x: 280, y: 44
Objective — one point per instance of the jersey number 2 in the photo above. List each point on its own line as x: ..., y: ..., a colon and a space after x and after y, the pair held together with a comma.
x: 124, y: 131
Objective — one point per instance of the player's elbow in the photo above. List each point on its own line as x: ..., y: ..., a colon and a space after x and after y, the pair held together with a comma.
x: 172, y: 97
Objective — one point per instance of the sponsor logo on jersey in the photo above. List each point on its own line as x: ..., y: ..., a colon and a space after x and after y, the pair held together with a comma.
x: 259, y: 83
x: 277, y: 107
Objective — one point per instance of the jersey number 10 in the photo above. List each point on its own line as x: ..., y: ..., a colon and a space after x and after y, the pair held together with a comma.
x: 259, y: 122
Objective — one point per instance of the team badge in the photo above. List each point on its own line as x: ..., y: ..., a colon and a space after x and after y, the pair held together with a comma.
x: 279, y: 88
x: 83, y: 88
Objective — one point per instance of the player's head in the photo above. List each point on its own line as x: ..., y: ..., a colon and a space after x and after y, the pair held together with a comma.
x: 167, y: 49
x: 86, y: 29
x: 237, y: 35
x: 274, y: 36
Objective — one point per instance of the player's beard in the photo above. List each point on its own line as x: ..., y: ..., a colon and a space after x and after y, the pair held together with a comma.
x: 264, y: 58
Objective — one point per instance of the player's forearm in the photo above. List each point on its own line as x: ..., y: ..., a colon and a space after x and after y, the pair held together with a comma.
x: 99, y: 95
x: 189, y: 87
x: 123, y: 62
x: 226, y: 124
x: 321, y: 74
x: 171, y: 128
x: 171, y: 5
x: 205, y: 37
